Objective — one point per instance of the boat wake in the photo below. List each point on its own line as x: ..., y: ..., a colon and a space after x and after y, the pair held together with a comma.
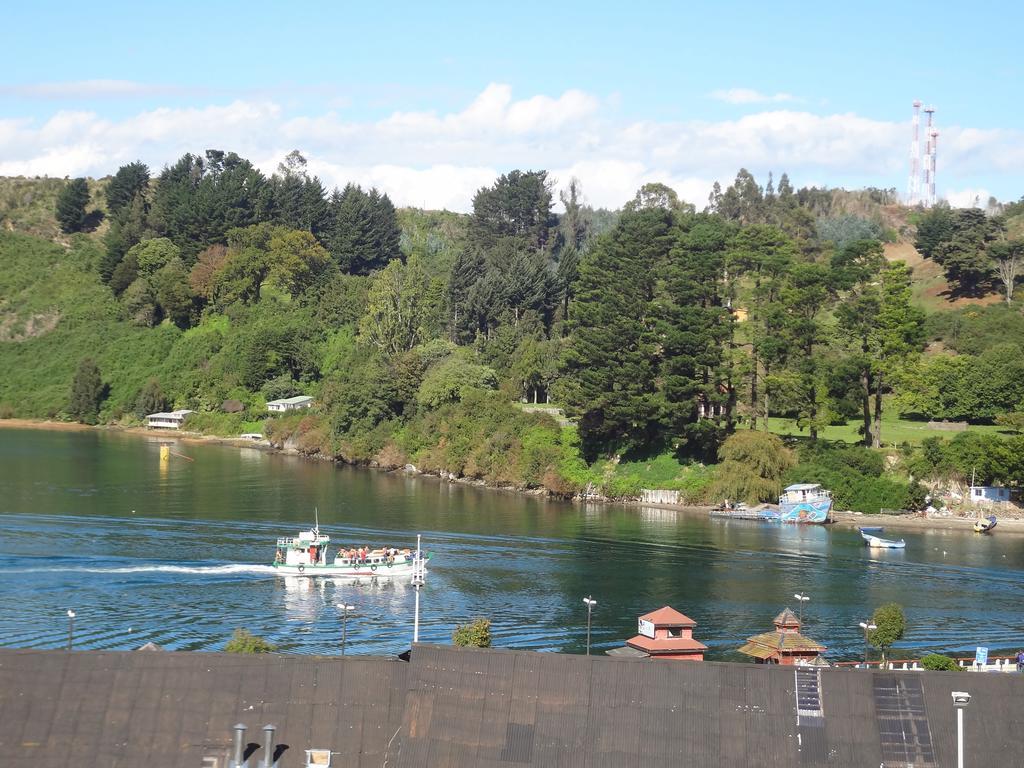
x: 204, y: 570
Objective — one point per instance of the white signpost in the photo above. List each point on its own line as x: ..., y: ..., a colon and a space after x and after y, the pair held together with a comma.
x: 646, y: 629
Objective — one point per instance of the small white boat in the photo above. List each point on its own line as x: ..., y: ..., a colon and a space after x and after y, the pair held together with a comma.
x: 877, y: 542
x: 309, y: 554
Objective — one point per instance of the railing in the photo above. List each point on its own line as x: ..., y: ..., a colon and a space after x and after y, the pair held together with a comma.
x: 995, y: 664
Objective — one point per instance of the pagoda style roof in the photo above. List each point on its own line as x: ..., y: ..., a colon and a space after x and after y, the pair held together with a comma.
x: 770, y: 644
x: 668, y: 617
x: 787, y: 618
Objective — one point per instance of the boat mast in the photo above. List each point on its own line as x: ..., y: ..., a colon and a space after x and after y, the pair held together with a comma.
x: 316, y: 523
x: 417, y: 582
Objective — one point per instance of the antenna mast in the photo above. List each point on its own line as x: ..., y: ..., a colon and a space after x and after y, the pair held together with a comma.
x: 928, y: 167
x: 914, y: 187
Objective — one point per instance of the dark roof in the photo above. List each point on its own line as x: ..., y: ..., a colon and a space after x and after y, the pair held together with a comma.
x: 450, y: 707
x: 97, y: 709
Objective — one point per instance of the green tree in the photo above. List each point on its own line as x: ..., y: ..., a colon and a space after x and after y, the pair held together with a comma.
x: 296, y: 260
x: 87, y: 392
x: 939, y: 663
x: 696, y: 327
x: 751, y: 466
x: 150, y: 399
x: 363, y: 234
x: 150, y: 255
x: 517, y: 205
x: 71, y: 203
x: 476, y: 634
x: 172, y: 293
x: 397, y: 308
x: 244, y: 641
x: 1008, y: 259
x: 763, y: 254
x: 612, y: 357
x: 129, y: 181
x: 451, y: 380
x: 130, y: 225
x: 890, y: 625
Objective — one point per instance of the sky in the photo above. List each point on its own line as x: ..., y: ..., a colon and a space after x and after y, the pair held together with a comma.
x: 431, y: 101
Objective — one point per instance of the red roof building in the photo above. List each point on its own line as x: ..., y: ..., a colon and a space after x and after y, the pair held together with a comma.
x: 785, y: 645
x: 667, y: 634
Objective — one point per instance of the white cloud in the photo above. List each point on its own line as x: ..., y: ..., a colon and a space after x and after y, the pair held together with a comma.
x: 439, y: 160
x: 749, y: 96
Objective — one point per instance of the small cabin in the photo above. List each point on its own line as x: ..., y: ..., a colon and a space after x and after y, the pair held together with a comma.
x: 172, y: 420
x: 666, y: 634
x: 290, y: 404
x: 989, y: 494
x: 800, y: 493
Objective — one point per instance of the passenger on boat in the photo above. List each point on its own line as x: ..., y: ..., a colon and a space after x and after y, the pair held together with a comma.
x: 312, y: 554
x: 278, y: 557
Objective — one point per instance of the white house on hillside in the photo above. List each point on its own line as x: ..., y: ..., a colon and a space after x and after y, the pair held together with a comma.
x: 989, y: 494
x: 290, y: 403
x: 172, y: 420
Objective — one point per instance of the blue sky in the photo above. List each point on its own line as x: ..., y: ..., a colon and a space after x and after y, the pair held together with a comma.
x: 429, y: 101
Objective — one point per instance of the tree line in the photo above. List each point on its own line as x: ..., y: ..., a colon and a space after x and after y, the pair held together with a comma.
x: 658, y: 326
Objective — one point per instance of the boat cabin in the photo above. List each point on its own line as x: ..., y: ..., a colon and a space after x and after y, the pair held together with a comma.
x: 308, y: 548
x: 804, y: 493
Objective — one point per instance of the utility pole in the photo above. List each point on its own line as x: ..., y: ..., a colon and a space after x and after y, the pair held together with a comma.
x: 590, y: 602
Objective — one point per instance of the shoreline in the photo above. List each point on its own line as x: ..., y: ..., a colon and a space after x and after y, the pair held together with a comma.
x: 846, y: 520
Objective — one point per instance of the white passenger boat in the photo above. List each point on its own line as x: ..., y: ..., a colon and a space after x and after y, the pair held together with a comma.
x: 311, y: 554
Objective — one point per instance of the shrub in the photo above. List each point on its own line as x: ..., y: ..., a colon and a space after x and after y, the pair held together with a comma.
x: 890, y: 624
x: 476, y: 634
x: 752, y: 466
x: 244, y: 641
x: 940, y: 663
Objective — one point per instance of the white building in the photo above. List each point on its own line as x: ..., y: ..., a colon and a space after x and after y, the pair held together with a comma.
x: 989, y: 494
x: 290, y: 404
x: 172, y: 420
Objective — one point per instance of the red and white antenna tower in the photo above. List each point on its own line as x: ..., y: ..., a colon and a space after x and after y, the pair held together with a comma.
x: 929, y: 183
x: 914, y: 187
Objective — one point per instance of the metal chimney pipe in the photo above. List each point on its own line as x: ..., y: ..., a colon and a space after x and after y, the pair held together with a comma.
x: 236, y: 755
x: 268, y: 746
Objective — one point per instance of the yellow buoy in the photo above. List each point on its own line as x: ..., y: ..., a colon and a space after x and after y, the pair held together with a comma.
x: 165, y: 453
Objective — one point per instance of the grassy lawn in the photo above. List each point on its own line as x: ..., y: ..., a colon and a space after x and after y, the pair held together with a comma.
x: 893, y: 430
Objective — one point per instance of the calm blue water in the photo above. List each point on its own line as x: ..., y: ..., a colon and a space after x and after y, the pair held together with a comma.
x: 177, y: 555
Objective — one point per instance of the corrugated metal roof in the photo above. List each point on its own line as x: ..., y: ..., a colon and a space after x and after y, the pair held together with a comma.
x: 453, y: 707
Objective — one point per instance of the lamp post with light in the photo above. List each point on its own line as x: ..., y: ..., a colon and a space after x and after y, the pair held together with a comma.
x: 960, y: 702
x: 867, y: 627
x: 590, y: 602
x: 801, y: 598
x: 344, y: 608
x: 71, y: 627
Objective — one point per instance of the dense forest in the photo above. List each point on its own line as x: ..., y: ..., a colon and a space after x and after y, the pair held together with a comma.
x: 576, y: 350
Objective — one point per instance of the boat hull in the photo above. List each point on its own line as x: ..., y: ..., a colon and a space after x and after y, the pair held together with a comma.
x: 363, y: 571
x: 806, y: 512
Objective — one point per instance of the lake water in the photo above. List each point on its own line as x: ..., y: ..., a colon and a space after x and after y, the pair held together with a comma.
x: 177, y: 554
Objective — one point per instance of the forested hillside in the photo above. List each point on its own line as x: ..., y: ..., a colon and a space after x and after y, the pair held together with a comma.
x: 657, y: 329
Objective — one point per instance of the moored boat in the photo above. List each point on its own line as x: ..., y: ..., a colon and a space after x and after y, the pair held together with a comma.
x: 877, y: 542
x: 805, y: 503
x: 985, y: 525
x: 309, y: 554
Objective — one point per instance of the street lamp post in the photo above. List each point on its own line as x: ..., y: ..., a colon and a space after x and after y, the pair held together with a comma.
x: 590, y: 602
x: 867, y: 627
x: 71, y: 627
x: 801, y: 599
x: 344, y: 608
x: 960, y: 701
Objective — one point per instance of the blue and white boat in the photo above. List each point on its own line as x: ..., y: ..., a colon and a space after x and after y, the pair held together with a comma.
x: 805, y: 503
